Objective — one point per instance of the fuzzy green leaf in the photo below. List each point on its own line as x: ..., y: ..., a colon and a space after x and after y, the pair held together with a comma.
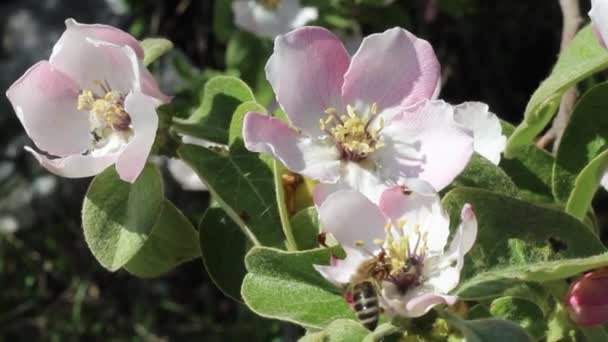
x: 515, y: 235
x: 211, y: 121
x: 173, y: 240
x: 481, y: 173
x: 154, y: 48
x: 223, y: 247
x: 583, y: 57
x: 586, y: 185
x: 526, y: 314
x: 489, y: 330
x: 531, y: 170
x: 118, y: 217
x: 305, y: 225
x: 340, y: 330
x: 284, y: 285
x: 585, y: 138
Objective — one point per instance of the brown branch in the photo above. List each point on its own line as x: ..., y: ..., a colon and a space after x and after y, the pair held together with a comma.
x: 572, y: 19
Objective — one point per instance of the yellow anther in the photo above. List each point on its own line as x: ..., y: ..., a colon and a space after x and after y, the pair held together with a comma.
x: 359, y: 243
x: 322, y: 124
x: 374, y: 109
x: 417, y: 228
x: 85, y: 100
x: 378, y: 242
x: 351, y: 111
x: 387, y: 227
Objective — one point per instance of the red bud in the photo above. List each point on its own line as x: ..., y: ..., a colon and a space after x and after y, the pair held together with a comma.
x: 587, y: 299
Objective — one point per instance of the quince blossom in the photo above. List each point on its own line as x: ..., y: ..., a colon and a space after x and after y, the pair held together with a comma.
x: 361, y: 123
x: 91, y: 105
x: 406, y: 234
x: 599, y: 20
x: 270, y: 18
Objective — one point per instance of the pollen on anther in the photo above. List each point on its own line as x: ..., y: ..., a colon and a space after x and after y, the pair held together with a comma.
x: 378, y: 242
x: 359, y: 243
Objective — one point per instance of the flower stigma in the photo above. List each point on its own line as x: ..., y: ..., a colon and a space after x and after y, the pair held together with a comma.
x: 352, y: 133
x: 107, y: 115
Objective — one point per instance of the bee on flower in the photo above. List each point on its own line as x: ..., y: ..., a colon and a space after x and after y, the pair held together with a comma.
x: 404, y: 236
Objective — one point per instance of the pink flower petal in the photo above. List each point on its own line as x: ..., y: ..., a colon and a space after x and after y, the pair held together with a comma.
x: 76, y: 165
x: 101, y: 32
x: 150, y: 87
x: 306, y: 72
x: 420, y: 305
x: 391, y: 69
x: 45, y: 100
x: 426, y: 143
x: 352, y: 218
x: 306, y: 156
x: 144, y: 121
x: 89, y: 62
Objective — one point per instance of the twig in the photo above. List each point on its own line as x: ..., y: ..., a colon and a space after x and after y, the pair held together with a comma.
x: 572, y: 19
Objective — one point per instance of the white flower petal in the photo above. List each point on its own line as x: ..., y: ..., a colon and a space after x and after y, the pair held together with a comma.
x: 144, y: 122
x: 352, y: 218
x: 488, y: 139
x: 76, y: 165
x: 421, y: 211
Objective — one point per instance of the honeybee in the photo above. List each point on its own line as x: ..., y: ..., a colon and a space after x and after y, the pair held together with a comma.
x: 363, y: 290
x: 409, y: 275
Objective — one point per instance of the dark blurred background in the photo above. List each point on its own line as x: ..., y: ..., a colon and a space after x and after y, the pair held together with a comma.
x: 51, y: 286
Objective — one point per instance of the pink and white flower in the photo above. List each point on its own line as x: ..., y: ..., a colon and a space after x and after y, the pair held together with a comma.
x: 488, y: 139
x: 91, y: 105
x: 599, y: 20
x: 407, y: 233
x: 359, y: 123
x: 270, y: 18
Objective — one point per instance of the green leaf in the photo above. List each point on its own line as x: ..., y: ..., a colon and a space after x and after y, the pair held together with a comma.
x: 531, y: 170
x: 223, y: 248
x: 583, y: 57
x: 584, y: 139
x: 515, y: 235
x: 211, y: 121
x: 154, y: 48
x: 489, y: 330
x: 526, y: 314
x: 481, y: 173
x: 340, y: 330
x: 284, y: 285
x: 173, y: 240
x: 241, y: 181
x: 118, y: 217
x: 586, y: 185
x: 305, y: 225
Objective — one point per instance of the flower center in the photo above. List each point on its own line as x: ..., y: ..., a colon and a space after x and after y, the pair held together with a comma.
x: 107, y: 114
x: 270, y: 4
x: 404, y: 264
x: 352, y: 133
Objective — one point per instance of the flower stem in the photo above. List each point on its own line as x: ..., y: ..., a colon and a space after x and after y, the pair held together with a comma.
x: 278, y: 169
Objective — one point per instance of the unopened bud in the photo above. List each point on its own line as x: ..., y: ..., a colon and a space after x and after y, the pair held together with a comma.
x: 587, y: 299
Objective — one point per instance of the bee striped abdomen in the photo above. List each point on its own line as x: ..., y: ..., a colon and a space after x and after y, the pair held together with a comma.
x: 365, y: 304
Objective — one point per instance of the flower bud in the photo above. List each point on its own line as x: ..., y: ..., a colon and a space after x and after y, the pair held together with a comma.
x: 587, y: 299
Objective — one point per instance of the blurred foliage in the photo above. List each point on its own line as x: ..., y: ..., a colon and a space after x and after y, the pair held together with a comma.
x: 52, y: 287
